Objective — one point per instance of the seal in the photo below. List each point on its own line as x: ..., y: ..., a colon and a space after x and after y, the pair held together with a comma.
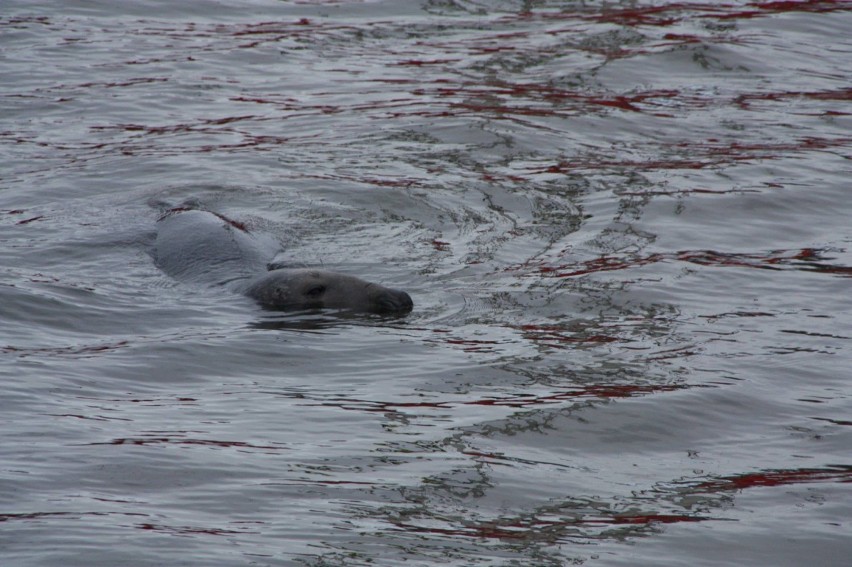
x: 200, y: 246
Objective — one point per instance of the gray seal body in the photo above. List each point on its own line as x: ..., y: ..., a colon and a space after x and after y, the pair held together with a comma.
x: 204, y: 247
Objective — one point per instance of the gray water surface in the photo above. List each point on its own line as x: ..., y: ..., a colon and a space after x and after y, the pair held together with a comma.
x: 625, y: 227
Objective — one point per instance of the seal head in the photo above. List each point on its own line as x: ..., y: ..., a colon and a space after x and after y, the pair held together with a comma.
x: 305, y: 288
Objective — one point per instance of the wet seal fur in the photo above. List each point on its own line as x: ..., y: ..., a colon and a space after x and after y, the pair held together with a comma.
x: 205, y: 247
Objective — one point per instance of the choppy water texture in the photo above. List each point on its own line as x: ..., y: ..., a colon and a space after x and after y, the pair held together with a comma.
x: 625, y: 226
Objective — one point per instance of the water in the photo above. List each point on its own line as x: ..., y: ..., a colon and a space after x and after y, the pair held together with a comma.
x: 625, y: 227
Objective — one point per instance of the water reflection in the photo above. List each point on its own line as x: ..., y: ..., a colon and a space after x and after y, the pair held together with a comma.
x: 319, y: 320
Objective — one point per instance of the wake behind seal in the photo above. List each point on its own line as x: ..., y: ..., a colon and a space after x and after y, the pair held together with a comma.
x: 200, y: 246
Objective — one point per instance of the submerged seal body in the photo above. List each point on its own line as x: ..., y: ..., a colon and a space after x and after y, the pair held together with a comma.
x: 205, y: 247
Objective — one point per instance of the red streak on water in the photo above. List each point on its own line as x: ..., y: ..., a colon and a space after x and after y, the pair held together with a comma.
x: 65, y: 351
x: 674, y: 192
x: 421, y: 62
x: 675, y: 12
x: 533, y: 528
x: 40, y: 515
x: 27, y: 221
x: 815, y: 6
x: 185, y: 441
x: 640, y: 16
x: 551, y: 333
x: 539, y: 91
x: 190, y: 530
x: 840, y: 95
x: 594, y: 391
x: 128, y: 83
x: 807, y: 259
x: 838, y: 473
x: 700, y: 155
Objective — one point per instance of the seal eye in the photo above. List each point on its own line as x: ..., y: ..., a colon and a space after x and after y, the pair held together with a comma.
x: 316, y: 291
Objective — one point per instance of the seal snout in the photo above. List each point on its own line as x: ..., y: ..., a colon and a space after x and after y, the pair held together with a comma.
x: 394, y: 301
